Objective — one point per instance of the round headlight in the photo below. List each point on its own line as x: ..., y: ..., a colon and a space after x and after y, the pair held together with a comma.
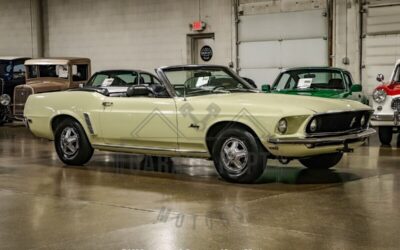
x: 379, y: 95
x: 313, y: 125
x: 5, y: 99
x: 282, y: 126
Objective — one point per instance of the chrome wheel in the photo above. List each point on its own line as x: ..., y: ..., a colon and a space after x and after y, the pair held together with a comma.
x: 69, y: 142
x: 234, y: 155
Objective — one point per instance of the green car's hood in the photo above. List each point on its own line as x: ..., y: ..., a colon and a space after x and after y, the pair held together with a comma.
x: 326, y: 93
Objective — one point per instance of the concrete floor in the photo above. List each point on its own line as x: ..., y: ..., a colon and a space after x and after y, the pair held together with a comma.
x: 122, y: 201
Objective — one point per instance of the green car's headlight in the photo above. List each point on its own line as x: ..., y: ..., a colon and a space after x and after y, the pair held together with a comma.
x: 379, y: 95
x: 282, y: 126
x: 5, y: 99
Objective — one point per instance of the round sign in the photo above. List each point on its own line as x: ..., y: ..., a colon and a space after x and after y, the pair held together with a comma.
x: 206, y: 53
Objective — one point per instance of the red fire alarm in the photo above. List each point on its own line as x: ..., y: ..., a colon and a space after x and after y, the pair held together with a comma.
x: 198, y: 26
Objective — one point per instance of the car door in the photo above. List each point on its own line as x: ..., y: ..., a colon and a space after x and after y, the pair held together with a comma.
x: 139, y: 122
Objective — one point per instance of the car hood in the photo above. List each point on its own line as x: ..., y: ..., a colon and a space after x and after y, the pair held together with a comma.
x: 392, y: 88
x: 326, y: 93
x: 286, y: 104
x: 47, y: 86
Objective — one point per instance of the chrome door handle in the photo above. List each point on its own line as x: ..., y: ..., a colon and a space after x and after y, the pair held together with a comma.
x: 107, y: 104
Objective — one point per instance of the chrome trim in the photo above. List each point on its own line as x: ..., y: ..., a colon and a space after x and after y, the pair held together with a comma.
x: 335, y: 139
x: 149, y: 148
x: 88, y: 123
x: 371, y: 111
x: 382, y: 118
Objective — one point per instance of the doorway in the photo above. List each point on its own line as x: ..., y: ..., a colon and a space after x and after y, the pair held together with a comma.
x: 201, y: 48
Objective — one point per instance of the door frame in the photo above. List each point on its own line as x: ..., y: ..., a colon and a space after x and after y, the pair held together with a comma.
x: 191, y: 44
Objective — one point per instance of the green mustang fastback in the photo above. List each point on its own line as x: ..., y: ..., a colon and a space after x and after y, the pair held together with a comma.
x: 325, y: 82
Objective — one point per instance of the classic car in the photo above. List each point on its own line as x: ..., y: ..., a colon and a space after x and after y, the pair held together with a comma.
x: 326, y: 82
x: 50, y: 75
x: 386, y: 104
x: 201, y: 111
x: 12, y: 73
x: 117, y: 82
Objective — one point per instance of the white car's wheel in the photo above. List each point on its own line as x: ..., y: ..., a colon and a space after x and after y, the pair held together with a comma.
x: 72, y: 145
x: 238, y: 156
x: 385, y: 135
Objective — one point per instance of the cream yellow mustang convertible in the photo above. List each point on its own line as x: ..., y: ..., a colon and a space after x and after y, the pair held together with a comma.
x: 199, y: 111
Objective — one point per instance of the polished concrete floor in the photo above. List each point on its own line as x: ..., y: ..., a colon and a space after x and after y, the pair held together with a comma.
x: 122, y: 201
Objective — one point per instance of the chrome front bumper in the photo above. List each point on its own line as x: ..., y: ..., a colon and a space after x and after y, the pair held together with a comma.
x: 343, y: 139
x: 395, y: 118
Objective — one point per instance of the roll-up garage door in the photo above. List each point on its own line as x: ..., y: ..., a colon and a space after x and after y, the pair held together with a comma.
x: 381, y: 40
x: 272, y: 42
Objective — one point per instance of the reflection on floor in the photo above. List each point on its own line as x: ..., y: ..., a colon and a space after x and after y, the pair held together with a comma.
x: 121, y: 201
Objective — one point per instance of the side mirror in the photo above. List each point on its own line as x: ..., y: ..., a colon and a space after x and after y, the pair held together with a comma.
x: 138, y: 90
x: 380, y: 78
x: 266, y: 88
x: 356, y: 88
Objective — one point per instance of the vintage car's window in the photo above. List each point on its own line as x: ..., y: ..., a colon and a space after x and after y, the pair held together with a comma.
x: 396, y: 76
x: 32, y: 71
x: 79, y: 72
x: 285, y: 82
x: 59, y: 71
x: 310, y: 79
x: 5, y: 67
x: 349, y: 79
x: 114, y: 79
x: 19, y: 71
x: 148, y: 79
x: 204, y: 81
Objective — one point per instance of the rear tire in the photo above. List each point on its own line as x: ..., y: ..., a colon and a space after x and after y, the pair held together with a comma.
x: 385, y: 135
x: 238, y: 156
x: 71, y: 143
x: 322, y: 161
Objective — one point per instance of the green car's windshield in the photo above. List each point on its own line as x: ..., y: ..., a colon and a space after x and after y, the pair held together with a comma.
x: 310, y: 79
x: 204, y: 81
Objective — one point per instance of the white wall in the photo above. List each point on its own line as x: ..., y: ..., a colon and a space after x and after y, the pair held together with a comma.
x: 134, y: 33
x: 19, y: 27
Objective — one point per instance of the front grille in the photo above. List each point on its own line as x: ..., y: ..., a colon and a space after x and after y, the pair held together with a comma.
x: 21, y: 94
x: 1, y: 86
x: 396, y: 104
x: 339, y: 123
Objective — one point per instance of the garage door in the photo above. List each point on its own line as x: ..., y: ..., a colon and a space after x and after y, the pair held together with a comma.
x: 381, y: 41
x: 270, y: 43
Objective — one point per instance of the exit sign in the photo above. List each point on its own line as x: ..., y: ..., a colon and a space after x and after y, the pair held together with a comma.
x: 198, y: 26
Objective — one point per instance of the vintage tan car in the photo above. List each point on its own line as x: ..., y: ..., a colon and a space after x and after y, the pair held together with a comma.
x: 50, y: 75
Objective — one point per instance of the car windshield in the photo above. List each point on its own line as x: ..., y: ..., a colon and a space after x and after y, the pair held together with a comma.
x: 396, y: 75
x: 113, y: 79
x: 202, y: 81
x: 310, y: 79
x: 5, y: 67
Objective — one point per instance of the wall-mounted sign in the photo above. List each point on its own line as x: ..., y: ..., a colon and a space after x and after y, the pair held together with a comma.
x: 198, y: 26
x: 206, y: 53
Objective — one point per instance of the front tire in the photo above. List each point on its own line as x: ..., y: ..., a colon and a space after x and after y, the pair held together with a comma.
x: 385, y: 135
x: 238, y: 156
x: 71, y: 143
x: 322, y: 161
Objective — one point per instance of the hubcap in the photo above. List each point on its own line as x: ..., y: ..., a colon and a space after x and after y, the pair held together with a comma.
x: 234, y: 155
x: 69, y: 142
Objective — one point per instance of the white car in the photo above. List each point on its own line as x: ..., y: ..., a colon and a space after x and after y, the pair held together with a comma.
x: 386, y: 104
